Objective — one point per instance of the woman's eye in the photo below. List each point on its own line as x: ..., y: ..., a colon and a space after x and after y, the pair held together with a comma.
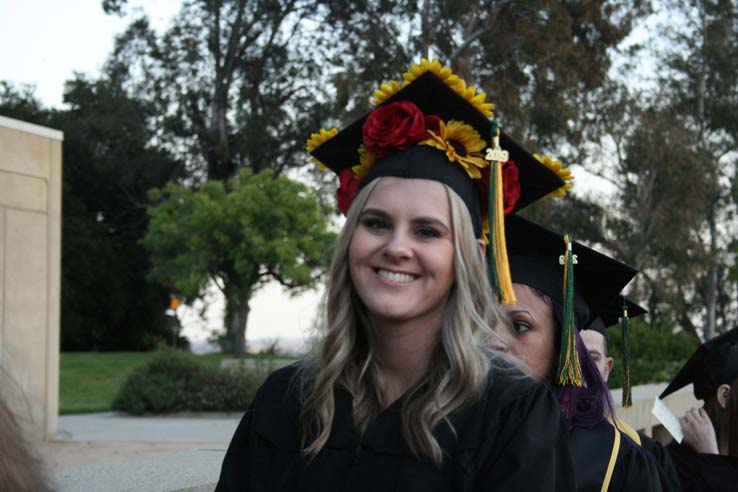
x: 520, y: 327
x: 428, y: 232
x: 376, y: 224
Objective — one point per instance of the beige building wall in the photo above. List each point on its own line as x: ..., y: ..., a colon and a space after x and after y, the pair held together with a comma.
x: 639, y: 416
x: 30, y: 261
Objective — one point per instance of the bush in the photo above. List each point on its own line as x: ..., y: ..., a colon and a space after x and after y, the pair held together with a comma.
x: 656, y: 353
x: 643, y: 371
x: 174, y: 381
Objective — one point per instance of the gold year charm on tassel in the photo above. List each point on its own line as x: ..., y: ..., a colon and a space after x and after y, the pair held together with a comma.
x: 496, y: 153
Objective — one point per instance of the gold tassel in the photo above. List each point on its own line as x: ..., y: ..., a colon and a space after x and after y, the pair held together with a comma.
x: 507, y: 294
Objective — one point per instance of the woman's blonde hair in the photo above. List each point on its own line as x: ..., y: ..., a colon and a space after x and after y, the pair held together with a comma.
x: 346, y: 357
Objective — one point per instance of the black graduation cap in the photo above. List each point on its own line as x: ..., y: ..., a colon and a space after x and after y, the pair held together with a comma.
x: 581, y: 279
x: 612, y: 313
x: 434, y: 96
x: 534, y: 253
x: 714, y: 363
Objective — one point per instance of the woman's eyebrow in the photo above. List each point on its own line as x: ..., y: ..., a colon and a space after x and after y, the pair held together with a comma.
x: 431, y: 221
x: 374, y: 211
x: 521, y: 311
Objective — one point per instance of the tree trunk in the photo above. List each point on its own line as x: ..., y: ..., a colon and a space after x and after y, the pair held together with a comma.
x: 240, y: 310
x: 712, y: 277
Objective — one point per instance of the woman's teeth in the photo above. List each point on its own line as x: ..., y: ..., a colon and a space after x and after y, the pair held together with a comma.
x: 401, y: 278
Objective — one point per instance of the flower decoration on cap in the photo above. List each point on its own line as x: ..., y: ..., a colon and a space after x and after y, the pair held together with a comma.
x: 462, y: 144
x: 395, y: 127
x: 564, y: 173
x: 318, y: 139
x: 477, y: 100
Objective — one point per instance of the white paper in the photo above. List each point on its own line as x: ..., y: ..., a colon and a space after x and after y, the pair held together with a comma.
x: 667, y: 419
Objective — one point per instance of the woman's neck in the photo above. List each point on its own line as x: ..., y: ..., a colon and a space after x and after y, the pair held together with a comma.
x: 404, y: 352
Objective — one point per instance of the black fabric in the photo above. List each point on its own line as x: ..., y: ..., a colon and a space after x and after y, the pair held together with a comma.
x: 534, y: 252
x: 700, y: 472
x: 634, y: 469
x: 512, y: 438
x: 669, y: 477
x: 428, y: 163
x: 612, y: 312
x: 714, y: 363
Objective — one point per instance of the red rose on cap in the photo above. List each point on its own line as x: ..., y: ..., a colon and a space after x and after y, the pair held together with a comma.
x: 394, y: 127
x: 347, y: 189
x: 510, y: 185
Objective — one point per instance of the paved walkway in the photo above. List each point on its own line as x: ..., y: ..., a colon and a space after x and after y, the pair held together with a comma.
x: 104, y: 452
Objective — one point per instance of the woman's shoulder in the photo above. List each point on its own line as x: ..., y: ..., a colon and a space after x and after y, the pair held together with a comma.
x: 507, y: 400
x: 282, y: 386
x: 507, y: 384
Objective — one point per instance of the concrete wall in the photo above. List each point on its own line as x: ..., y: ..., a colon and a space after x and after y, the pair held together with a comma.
x: 30, y: 261
x: 639, y: 415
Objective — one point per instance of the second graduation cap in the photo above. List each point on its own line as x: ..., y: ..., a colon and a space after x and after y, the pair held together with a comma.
x: 581, y: 279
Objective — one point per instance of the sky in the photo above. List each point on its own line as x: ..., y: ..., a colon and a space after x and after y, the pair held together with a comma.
x: 43, y: 42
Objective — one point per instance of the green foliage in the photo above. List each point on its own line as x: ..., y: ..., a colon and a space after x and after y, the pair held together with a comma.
x: 657, y: 353
x: 240, y: 235
x: 175, y: 381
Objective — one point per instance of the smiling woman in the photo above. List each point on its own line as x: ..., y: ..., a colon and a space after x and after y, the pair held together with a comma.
x: 404, y: 393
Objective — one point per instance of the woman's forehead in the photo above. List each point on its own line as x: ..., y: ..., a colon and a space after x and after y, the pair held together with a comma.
x: 422, y: 197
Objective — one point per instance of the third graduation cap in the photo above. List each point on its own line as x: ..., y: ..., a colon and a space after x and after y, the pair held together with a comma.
x: 714, y: 363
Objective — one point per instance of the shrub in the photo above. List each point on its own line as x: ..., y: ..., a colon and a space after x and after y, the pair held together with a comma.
x: 656, y: 353
x: 175, y: 381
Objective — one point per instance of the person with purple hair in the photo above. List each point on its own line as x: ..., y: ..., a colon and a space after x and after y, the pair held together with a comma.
x: 557, y: 284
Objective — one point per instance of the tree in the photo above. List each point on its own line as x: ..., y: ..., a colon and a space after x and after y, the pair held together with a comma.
x: 108, y: 167
x: 234, y: 82
x: 538, y: 61
x: 238, y: 235
x: 702, y: 83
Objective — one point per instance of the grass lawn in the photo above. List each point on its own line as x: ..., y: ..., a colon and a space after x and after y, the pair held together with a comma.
x: 89, y: 381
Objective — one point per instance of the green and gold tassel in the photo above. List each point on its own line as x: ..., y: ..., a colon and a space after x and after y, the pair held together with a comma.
x: 497, y: 262
x: 570, y: 370
x: 625, y: 330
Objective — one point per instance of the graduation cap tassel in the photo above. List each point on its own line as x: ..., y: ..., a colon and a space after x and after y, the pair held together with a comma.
x: 491, y: 253
x: 570, y: 370
x: 625, y: 329
x: 497, y: 262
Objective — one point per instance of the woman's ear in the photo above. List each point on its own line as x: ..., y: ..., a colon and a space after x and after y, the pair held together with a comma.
x: 723, y: 394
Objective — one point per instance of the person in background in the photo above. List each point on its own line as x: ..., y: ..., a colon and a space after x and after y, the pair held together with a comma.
x: 20, y: 468
x: 594, y: 337
x: 558, y: 283
x: 707, y: 458
x: 404, y: 393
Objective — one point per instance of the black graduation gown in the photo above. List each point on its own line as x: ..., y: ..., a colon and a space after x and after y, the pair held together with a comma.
x: 669, y: 477
x: 634, y: 469
x: 700, y: 472
x: 512, y: 438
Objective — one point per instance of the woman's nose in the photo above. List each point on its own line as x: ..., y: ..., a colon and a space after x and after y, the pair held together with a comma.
x: 399, y: 245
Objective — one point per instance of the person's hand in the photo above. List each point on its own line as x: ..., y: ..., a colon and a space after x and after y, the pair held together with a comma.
x: 699, y: 434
